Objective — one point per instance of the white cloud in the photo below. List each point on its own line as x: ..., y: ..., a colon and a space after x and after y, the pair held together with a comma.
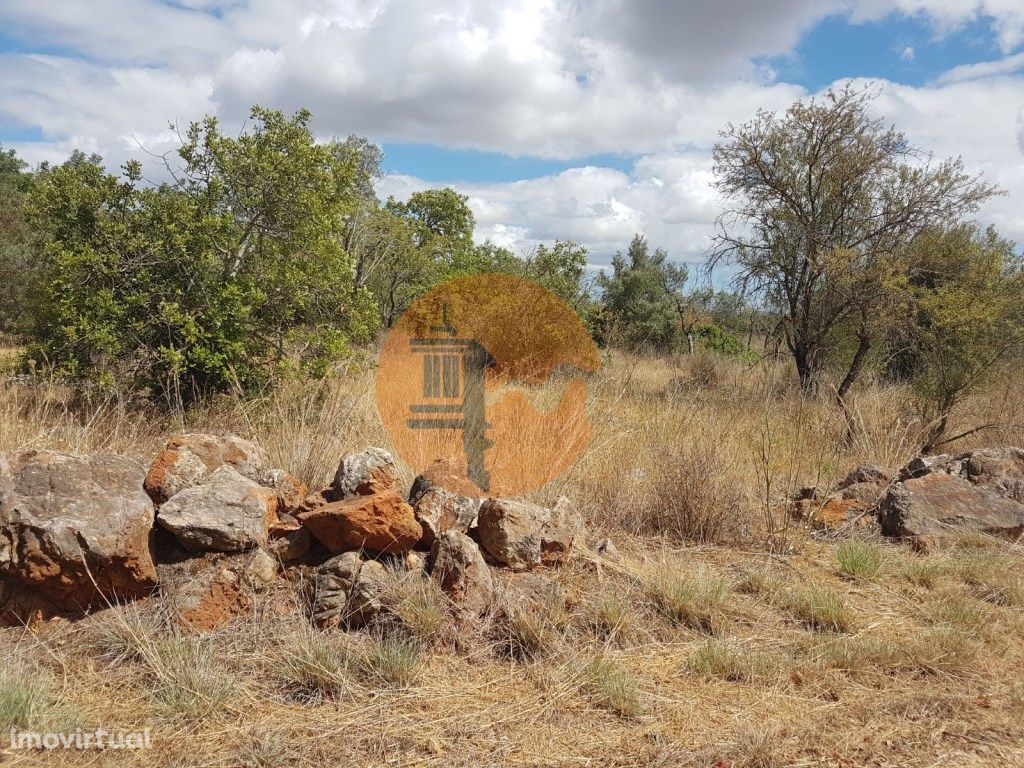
x: 908, y: 53
x: 548, y: 78
x: 1004, y: 66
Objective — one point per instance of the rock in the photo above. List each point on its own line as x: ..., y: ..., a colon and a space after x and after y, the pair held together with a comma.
x: 522, y: 535
x: 226, y: 512
x: 367, y: 472
x: 381, y: 522
x: 1000, y: 470
x: 836, y: 513
x: 348, y: 591
x: 866, y: 473
x: 865, y: 493
x: 75, y: 529
x: 189, y: 459
x: 565, y: 516
x: 937, y: 504
x: 291, y: 492
x: 260, y: 569
x: 938, y: 496
x: 606, y: 549
x: 289, y: 540
x: 442, y: 500
x: 458, y: 567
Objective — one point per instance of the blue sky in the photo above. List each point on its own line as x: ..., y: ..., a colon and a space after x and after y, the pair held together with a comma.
x: 560, y: 120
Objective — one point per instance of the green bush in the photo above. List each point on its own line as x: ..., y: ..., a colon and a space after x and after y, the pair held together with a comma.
x: 212, y: 283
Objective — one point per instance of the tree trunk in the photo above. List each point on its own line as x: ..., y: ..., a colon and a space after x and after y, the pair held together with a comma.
x: 852, y: 374
x: 804, y: 369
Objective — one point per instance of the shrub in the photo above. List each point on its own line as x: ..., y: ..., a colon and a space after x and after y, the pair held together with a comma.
x: 206, y: 284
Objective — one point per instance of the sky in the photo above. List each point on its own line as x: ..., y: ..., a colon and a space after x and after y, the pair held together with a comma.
x: 586, y: 120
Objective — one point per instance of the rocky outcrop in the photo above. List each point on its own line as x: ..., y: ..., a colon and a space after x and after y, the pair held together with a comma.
x: 75, y: 530
x: 189, y: 459
x: 367, y: 472
x: 458, y: 568
x: 348, y: 591
x: 936, y: 497
x: 939, y: 505
x: 443, y: 500
x: 522, y: 535
x: 225, y: 512
x: 381, y: 522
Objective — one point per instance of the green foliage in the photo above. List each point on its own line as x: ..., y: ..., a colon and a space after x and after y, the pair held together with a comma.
x: 15, y: 256
x: 234, y: 272
x: 640, y: 299
x: 717, y: 339
x: 962, y: 316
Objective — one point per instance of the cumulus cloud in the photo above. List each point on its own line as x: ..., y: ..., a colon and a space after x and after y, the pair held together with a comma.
x: 562, y: 79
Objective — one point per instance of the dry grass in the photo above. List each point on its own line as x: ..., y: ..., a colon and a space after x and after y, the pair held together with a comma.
x: 723, y: 633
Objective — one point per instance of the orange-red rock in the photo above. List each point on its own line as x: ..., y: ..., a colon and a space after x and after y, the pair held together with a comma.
x: 381, y: 522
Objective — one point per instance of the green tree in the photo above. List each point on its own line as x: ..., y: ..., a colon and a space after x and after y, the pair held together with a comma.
x: 15, y: 259
x: 962, y: 318
x: 213, y: 282
x: 643, y: 303
x: 821, y: 200
x: 443, y: 224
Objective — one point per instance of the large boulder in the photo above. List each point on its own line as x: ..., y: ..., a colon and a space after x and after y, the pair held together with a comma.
x: 189, y: 459
x: 458, y: 567
x: 443, y: 500
x: 348, y: 591
x: 365, y: 473
x: 381, y: 522
x: 75, y: 529
x: 937, y: 505
x: 522, y: 535
x: 226, y: 512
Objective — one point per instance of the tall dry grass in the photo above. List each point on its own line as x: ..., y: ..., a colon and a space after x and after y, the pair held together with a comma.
x: 698, y: 447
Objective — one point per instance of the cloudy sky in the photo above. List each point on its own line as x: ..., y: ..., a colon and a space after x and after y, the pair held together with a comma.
x: 573, y: 119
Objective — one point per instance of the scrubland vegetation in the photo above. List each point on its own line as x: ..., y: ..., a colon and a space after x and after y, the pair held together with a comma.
x: 723, y: 632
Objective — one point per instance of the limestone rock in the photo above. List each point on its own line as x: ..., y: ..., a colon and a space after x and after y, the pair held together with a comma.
x: 367, y: 472
x: 348, y: 591
x: 938, y: 505
x: 226, y: 512
x: 443, y: 500
x: 458, y: 567
x: 189, y: 459
x: 75, y: 529
x: 289, y: 539
x: 522, y: 535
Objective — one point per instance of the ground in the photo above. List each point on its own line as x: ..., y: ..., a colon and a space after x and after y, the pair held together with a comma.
x: 722, y: 632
